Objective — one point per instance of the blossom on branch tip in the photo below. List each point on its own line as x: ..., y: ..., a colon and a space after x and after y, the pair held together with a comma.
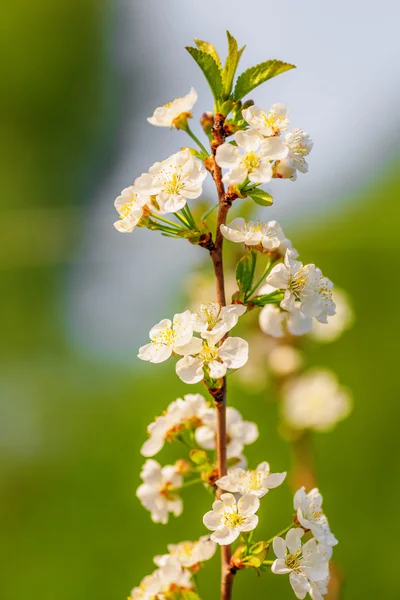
x: 239, y: 433
x: 212, y: 360
x: 258, y: 481
x: 189, y: 554
x: 173, y: 181
x: 213, y: 321
x: 304, y: 563
x: 267, y: 123
x: 315, y: 400
x: 269, y: 235
x: 311, y: 516
x: 181, y: 413
x: 250, y: 159
x: 129, y: 205
x: 168, y: 337
x: 159, y: 492
x: 164, y: 116
x: 228, y: 518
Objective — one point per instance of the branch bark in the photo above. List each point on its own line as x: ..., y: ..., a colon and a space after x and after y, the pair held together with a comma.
x: 219, y: 395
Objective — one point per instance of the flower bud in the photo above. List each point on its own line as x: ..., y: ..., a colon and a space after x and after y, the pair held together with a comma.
x: 183, y: 467
x: 207, y: 122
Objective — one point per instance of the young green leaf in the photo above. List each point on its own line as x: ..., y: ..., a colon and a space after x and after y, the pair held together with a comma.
x: 260, y: 197
x: 231, y: 64
x: 245, y: 272
x: 209, y: 49
x: 255, y: 76
x: 210, y: 69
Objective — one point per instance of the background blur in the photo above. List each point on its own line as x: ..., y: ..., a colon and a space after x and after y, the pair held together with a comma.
x: 78, y: 78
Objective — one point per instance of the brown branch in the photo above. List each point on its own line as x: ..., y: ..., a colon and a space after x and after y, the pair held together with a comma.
x: 219, y: 394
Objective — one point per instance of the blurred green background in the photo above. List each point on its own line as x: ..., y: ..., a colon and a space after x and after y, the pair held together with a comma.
x: 71, y: 425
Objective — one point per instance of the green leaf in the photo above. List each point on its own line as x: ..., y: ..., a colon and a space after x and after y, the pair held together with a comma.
x: 210, y: 68
x: 189, y: 595
x: 209, y: 49
x: 231, y: 64
x: 255, y: 76
x: 245, y: 272
x: 258, y: 547
x: 260, y: 197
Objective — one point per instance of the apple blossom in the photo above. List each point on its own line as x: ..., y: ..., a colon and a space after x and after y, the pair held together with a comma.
x: 181, y: 413
x: 164, y: 116
x: 315, y: 400
x: 267, y: 123
x: 129, y: 205
x: 318, y: 589
x: 338, y: 323
x: 212, y: 360
x: 168, y: 337
x: 213, y: 321
x: 240, y: 433
x: 310, y: 515
x: 285, y: 169
x: 159, y: 492
x: 304, y: 283
x: 303, y: 563
x: 173, y: 181
x: 269, y: 235
x: 275, y: 322
x: 228, y: 518
x: 250, y: 159
x: 189, y: 554
x: 258, y: 481
x: 148, y: 588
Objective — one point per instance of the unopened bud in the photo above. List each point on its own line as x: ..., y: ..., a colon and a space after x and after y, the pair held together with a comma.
x: 183, y: 467
x: 207, y: 122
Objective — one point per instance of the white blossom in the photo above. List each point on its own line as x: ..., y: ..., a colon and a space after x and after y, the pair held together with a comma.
x: 159, y: 492
x: 268, y: 235
x: 169, y: 577
x: 168, y: 337
x: 338, y: 323
x: 213, y: 321
x: 303, y: 563
x: 228, y: 518
x: 258, y: 481
x: 318, y: 589
x: 304, y: 283
x: 148, y: 588
x: 239, y: 433
x: 164, y: 116
x: 179, y: 414
x: 129, y: 205
x: 299, y: 145
x: 213, y: 360
x: 285, y: 169
x: 267, y: 123
x: 276, y: 322
x: 250, y: 159
x: 311, y: 516
x: 315, y: 400
x: 173, y: 181
x: 189, y: 554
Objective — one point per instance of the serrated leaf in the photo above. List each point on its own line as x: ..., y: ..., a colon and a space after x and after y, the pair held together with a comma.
x: 231, y: 64
x: 209, y: 49
x: 255, y: 76
x: 210, y: 69
x: 260, y: 197
x: 245, y: 272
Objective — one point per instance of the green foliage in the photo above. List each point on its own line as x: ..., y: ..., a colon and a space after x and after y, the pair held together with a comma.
x: 209, y: 49
x: 264, y: 299
x: 231, y: 65
x: 255, y: 76
x: 260, y: 197
x: 210, y: 68
x: 198, y: 457
x: 245, y: 272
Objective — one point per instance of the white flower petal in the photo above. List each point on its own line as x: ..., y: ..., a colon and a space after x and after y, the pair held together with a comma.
x: 190, y: 369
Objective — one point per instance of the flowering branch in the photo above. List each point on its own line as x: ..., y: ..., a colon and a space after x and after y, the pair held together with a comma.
x: 292, y: 298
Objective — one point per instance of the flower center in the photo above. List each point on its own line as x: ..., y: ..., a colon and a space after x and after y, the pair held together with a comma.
x: 232, y: 519
x: 166, y: 337
x: 173, y: 184
x: 272, y: 120
x: 208, y: 353
x: 251, y: 161
x: 210, y: 313
x: 253, y: 480
x: 297, y: 283
x: 293, y: 561
x: 168, y: 491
